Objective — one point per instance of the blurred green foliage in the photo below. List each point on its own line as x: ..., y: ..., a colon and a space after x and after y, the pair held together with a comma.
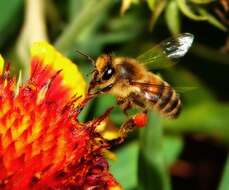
x: 198, y: 10
x: 95, y: 27
x: 224, y: 182
x: 8, y: 23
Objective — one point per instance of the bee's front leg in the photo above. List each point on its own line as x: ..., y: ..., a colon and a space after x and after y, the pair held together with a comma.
x: 82, y: 104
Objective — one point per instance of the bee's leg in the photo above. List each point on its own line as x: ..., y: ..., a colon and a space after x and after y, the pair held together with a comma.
x: 132, y: 100
x: 128, y: 106
x: 145, y: 111
x: 82, y: 104
x: 101, y: 118
x: 124, y: 130
x: 120, y: 100
x: 89, y: 96
x: 124, y: 104
x: 137, y: 121
x: 138, y: 101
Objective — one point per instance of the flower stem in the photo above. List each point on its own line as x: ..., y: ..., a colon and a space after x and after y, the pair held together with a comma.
x: 34, y: 29
x: 90, y: 11
x: 152, y: 169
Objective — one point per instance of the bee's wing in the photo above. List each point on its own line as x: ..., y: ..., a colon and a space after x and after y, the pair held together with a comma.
x: 166, y: 53
x: 154, y: 92
x: 154, y: 88
x: 158, y: 93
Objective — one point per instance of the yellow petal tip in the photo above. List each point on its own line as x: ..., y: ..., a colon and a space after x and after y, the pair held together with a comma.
x: 72, y: 77
x: 1, y: 64
x: 116, y: 188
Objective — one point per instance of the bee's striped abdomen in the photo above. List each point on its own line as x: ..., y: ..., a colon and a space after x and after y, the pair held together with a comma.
x: 163, y: 98
x: 158, y: 95
x: 169, y: 103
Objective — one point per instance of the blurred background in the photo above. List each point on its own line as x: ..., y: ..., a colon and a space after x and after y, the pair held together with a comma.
x: 188, y: 153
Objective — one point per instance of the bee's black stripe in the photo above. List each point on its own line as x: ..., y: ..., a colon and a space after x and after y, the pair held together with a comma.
x: 161, y: 89
x: 176, y: 111
x: 172, y: 105
x: 165, y: 99
x: 137, y: 100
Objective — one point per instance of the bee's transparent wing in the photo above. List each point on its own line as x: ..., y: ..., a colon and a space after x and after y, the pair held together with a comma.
x: 146, y: 86
x: 166, y: 53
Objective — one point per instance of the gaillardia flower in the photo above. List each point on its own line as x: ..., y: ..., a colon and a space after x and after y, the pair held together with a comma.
x: 42, y: 145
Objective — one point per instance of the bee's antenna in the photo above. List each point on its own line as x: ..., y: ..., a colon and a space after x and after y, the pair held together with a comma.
x: 87, y: 56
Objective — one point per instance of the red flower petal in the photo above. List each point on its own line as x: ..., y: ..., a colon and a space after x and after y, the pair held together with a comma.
x: 42, y: 146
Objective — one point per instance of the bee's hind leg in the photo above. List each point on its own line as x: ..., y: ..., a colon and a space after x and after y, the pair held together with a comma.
x: 127, y: 127
x: 137, y: 121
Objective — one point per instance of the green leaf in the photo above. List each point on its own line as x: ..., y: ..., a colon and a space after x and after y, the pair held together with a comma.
x: 201, y: 113
x: 212, y: 20
x: 80, y: 23
x: 172, y: 147
x: 187, y: 11
x: 202, y: 1
x: 156, y: 12
x: 172, y: 17
x: 125, y: 167
x: 152, y: 170
x: 151, y: 4
x: 126, y: 5
x: 207, y: 118
x: 103, y: 102
x: 224, y: 183
x: 74, y: 7
x: 9, y: 18
x: 84, y: 114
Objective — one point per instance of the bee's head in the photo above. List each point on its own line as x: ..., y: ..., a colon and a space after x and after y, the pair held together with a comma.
x: 105, y: 68
x: 104, y: 72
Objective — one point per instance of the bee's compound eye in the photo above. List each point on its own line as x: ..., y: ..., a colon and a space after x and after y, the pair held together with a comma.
x: 108, y: 73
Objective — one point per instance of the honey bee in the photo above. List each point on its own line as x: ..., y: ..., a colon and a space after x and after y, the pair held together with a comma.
x: 133, y: 85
